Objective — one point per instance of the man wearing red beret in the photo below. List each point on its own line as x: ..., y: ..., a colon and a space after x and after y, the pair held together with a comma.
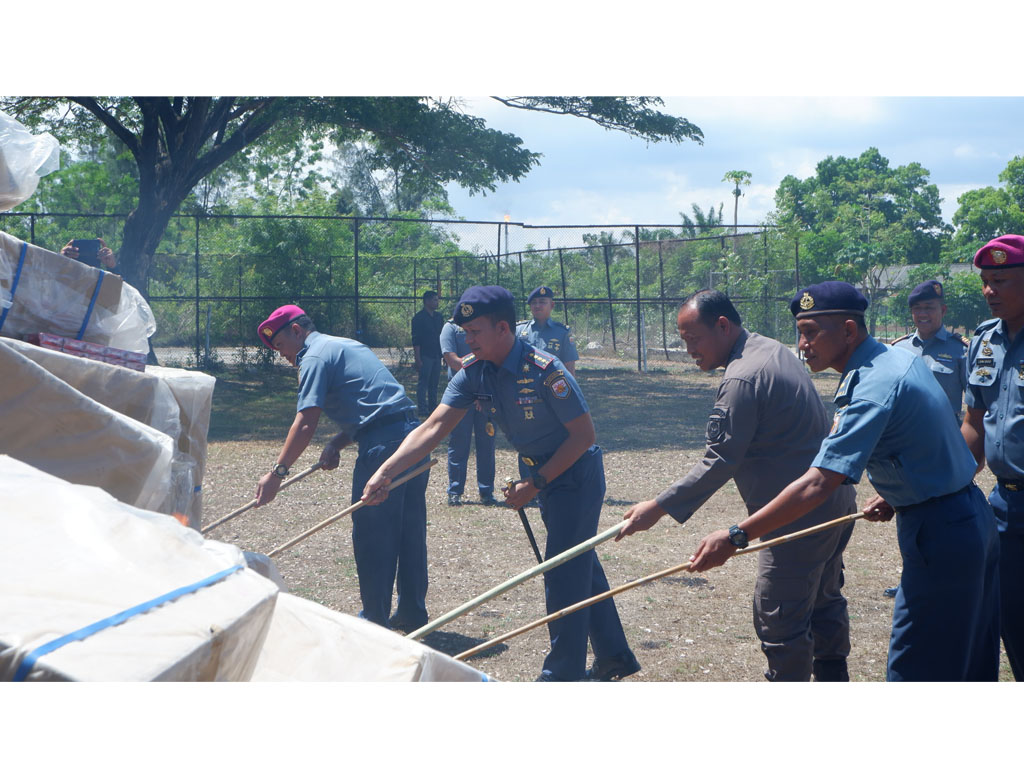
x: 345, y: 380
x: 994, y: 424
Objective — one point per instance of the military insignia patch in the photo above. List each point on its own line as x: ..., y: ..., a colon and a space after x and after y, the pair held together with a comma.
x: 986, y: 350
x: 489, y: 429
x: 560, y: 388
x: 716, y: 425
x: 835, y: 422
x: 268, y: 332
x: 528, y: 413
x: 999, y: 257
x: 806, y: 301
x: 938, y: 289
x: 844, y: 385
x: 467, y: 310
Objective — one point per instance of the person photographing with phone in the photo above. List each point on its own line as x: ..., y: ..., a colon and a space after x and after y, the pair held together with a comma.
x: 93, y: 253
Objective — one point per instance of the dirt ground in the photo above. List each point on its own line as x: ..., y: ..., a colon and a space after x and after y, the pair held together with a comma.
x: 651, y: 427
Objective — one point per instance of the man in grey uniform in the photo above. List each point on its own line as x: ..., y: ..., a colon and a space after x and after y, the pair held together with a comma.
x: 943, y: 352
x: 767, y: 424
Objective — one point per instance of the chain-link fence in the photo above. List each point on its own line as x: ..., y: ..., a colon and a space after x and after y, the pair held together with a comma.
x: 215, y: 277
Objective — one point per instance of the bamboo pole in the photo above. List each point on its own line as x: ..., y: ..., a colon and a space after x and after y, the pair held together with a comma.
x: 349, y: 510
x: 646, y: 580
x: 251, y: 504
x: 547, y: 565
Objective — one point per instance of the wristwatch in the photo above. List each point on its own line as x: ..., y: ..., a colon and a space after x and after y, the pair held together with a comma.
x: 738, y: 537
x: 538, y: 481
x: 281, y: 470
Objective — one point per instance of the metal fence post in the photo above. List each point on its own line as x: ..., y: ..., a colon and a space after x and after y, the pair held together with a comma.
x: 661, y: 283
x: 565, y: 295
x: 196, y: 217
x: 355, y: 266
x: 608, y: 280
x: 639, y: 314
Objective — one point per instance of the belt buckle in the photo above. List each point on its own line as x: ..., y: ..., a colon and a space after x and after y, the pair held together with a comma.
x: 529, y: 462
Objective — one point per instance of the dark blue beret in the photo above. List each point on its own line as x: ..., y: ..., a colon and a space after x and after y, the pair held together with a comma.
x: 833, y: 297
x: 929, y: 289
x: 480, y: 300
x: 543, y: 292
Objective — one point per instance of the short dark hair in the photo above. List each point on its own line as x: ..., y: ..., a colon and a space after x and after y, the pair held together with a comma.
x: 429, y: 295
x: 305, y: 322
x: 711, y: 305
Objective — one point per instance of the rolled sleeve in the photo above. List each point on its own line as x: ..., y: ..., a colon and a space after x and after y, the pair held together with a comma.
x: 731, y: 427
x: 460, y: 392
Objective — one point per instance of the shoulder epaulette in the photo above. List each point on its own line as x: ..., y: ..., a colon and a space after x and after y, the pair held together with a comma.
x: 961, y: 339
x: 901, y: 338
x: 469, y: 359
x: 985, y: 326
x: 541, y: 359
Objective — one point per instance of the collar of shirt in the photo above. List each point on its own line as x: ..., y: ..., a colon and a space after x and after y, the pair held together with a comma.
x: 511, y: 361
x: 310, y: 338
x: 868, y: 349
x: 737, y: 348
x: 942, y: 334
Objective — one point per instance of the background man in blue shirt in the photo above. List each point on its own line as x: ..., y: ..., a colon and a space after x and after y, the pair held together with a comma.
x: 540, y: 408
x: 546, y: 334
x: 345, y: 380
x: 477, y: 421
x: 889, y: 421
x: 943, y: 352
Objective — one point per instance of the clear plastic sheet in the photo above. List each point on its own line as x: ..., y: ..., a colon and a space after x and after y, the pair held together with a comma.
x: 59, y: 295
x: 72, y: 556
x: 24, y: 158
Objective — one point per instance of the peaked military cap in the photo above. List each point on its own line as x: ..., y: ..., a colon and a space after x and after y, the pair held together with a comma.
x: 1005, y: 251
x: 543, y: 292
x: 480, y: 300
x: 833, y: 297
x: 929, y: 289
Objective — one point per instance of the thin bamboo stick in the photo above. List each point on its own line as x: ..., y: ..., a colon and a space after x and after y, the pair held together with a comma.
x: 646, y: 580
x: 349, y: 510
x: 252, y: 503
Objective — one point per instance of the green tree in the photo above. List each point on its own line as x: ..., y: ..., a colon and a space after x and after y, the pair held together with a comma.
x: 738, y: 178
x: 861, y: 219
x: 991, y: 211
x: 177, y: 142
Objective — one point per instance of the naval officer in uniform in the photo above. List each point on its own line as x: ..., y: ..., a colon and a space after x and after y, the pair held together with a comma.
x: 546, y: 334
x: 540, y: 408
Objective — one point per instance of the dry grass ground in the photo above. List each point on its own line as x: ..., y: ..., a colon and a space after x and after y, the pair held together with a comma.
x: 651, y: 427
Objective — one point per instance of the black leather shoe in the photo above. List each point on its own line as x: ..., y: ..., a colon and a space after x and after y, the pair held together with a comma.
x: 830, y: 671
x: 401, y: 625
x: 454, y: 500
x: 614, y: 667
x: 488, y: 499
x: 890, y: 591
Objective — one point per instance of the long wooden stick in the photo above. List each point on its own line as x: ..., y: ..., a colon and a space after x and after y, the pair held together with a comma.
x: 647, y: 579
x: 252, y: 503
x: 349, y: 510
x: 547, y: 565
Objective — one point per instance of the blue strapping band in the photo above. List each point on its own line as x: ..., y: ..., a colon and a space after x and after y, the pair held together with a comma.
x: 111, y: 621
x: 14, y: 284
x: 92, y: 303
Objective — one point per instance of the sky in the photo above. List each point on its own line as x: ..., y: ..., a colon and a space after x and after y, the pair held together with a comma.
x: 589, y: 175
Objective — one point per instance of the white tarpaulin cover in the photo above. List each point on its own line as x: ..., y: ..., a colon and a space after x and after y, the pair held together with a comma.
x: 308, y: 642
x: 49, y: 424
x: 171, y: 400
x: 72, y: 556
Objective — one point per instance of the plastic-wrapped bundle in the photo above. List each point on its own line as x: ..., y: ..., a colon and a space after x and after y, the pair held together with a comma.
x: 24, y: 157
x: 44, y: 291
x: 92, y: 589
x: 49, y: 424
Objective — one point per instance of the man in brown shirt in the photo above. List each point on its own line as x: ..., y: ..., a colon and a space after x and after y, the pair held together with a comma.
x: 766, y: 426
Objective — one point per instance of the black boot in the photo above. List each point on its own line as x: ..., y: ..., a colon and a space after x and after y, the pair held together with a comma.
x: 830, y: 671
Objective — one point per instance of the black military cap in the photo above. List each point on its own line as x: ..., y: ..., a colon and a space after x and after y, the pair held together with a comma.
x: 480, y: 300
x: 833, y: 297
x: 929, y: 289
x: 543, y: 292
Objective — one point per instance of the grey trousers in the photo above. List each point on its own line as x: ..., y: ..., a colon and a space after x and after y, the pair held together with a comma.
x: 800, y: 613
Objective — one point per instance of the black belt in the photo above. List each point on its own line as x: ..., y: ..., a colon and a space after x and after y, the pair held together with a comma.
x: 383, y: 421
x: 937, y: 498
x: 1011, y: 485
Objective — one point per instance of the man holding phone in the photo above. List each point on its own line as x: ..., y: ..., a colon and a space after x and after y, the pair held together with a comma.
x: 93, y: 253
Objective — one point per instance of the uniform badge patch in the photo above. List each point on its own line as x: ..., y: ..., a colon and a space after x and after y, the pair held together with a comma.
x: 528, y: 413
x: 467, y: 310
x: 268, y: 332
x: 806, y: 301
x: 999, y: 257
x: 835, y: 422
x: 560, y: 388
x: 716, y: 424
x: 986, y: 350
